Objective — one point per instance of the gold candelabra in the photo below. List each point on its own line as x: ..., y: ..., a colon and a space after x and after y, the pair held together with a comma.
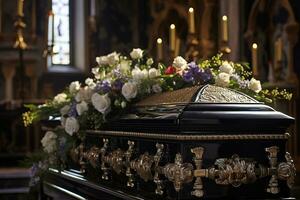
x: 21, y: 45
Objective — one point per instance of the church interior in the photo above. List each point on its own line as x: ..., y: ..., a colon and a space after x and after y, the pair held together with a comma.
x: 47, y: 44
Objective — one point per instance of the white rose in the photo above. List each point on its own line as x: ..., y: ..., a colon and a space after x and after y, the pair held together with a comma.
x: 226, y: 67
x: 74, y: 87
x: 90, y: 83
x: 102, y: 60
x: 180, y: 62
x: 81, y: 107
x: 138, y: 74
x: 113, y: 58
x: 71, y: 125
x: 129, y: 90
x: 96, y: 73
x: 255, y: 85
x: 136, y: 53
x: 153, y: 73
x: 49, y: 142
x: 64, y: 110
x: 84, y: 94
x: 149, y: 61
x: 60, y: 98
x: 156, y: 88
x: 222, y: 79
x: 124, y: 66
x: 101, y: 103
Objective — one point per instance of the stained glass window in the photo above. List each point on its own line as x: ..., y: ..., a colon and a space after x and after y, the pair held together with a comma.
x: 61, y: 10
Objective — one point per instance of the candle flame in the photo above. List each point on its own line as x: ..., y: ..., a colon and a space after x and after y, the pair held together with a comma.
x: 254, y: 46
x: 159, y: 40
x: 191, y: 9
x: 224, y: 18
x: 172, y: 26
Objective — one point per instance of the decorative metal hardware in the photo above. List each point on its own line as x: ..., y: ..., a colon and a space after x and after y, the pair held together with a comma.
x: 273, y: 183
x: 82, y: 155
x: 143, y: 166
x: 186, y: 137
x: 287, y: 171
x: 233, y: 171
x: 103, y: 151
x: 216, y: 94
x: 128, y: 155
x: 157, y: 158
x: 93, y: 156
x: 198, y: 185
x: 178, y: 172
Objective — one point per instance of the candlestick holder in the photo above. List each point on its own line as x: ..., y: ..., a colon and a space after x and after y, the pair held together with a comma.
x: 20, y: 45
x: 192, y: 52
x: 224, y: 48
x: 20, y: 25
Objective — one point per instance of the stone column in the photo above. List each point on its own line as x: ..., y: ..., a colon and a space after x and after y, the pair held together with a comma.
x: 30, y: 71
x: 8, y: 71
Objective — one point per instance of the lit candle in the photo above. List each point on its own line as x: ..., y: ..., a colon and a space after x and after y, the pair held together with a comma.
x: 172, y: 37
x: 224, y: 28
x: 191, y: 20
x: 20, y: 8
x: 159, y: 49
x: 50, y: 27
x: 177, y: 47
x: 254, y: 60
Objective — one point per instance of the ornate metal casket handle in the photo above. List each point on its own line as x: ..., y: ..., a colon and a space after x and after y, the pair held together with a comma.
x: 284, y: 170
x: 93, y: 156
x: 103, y: 151
x: 179, y: 172
x: 128, y: 155
x: 157, y: 158
x: 198, y: 172
x: 82, y: 156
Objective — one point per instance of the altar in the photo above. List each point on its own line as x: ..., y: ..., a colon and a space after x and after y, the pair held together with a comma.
x: 199, y: 142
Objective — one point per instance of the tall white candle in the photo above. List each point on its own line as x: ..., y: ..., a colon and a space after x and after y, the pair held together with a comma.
x: 191, y: 20
x: 254, y: 60
x: 20, y: 8
x: 51, y: 28
x: 224, y: 28
x: 159, y: 49
x: 172, y: 37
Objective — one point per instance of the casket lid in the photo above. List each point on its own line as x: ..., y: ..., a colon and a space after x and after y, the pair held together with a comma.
x: 205, y: 109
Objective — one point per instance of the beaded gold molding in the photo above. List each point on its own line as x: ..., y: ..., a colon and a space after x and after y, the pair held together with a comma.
x: 166, y: 136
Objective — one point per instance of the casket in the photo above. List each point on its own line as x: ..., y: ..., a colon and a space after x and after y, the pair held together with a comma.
x: 199, y: 142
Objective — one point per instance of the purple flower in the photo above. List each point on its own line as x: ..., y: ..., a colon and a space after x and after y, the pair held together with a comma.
x: 103, y: 87
x: 33, y: 170
x: 205, y: 76
x: 73, y: 112
x: 188, y: 76
x: 193, y: 68
x: 117, y: 84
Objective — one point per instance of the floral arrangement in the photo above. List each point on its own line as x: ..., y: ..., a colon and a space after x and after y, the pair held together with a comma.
x: 119, y: 81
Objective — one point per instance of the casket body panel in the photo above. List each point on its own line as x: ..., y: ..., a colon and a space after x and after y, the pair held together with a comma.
x: 208, y: 142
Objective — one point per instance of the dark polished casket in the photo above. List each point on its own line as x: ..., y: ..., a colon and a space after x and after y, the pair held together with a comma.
x: 199, y: 142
